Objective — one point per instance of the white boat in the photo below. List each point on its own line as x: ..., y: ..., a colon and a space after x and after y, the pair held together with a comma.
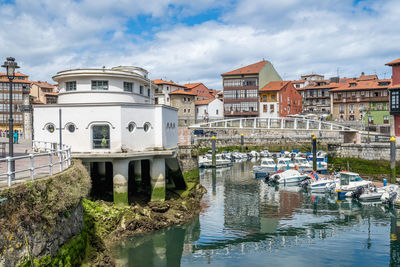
x: 287, y: 177
x: 266, y: 167
x: 265, y: 154
x: 322, y: 165
x: 302, y: 164
x: 391, y: 195
x: 320, y: 186
x: 349, y: 182
x: 284, y: 164
x: 254, y: 154
x: 205, y: 161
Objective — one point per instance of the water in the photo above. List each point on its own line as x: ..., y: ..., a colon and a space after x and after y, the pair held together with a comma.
x: 245, y: 222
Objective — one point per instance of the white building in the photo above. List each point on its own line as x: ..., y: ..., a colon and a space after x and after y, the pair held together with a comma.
x: 108, y: 115
x: 209, y: 109
x: 161, y: 95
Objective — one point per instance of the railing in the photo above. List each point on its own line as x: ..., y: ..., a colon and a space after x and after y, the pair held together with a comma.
x: 274, y: 123
x: 41, y: 163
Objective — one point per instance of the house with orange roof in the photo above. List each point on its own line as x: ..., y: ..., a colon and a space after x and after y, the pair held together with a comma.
x: 315, y: 96
x: 201, y: 91
x: 364, y: 100
x: 22, y: 114
x: 279, y: 99
x: 184, y: 101
x: 241, y: 87
x: 161, y: 93
x: 44, y: 92
x: 394, y: 91
x: 209, y: 109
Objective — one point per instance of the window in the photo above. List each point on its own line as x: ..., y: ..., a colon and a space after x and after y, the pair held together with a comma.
x: 271, y: 108
x: 265, y: 108
x: 101, y: 136
x: 341, y: 108
x: 184, y: 110
x: 386, y: 119
x: 395, y: 103
x: 70, y: 86
x: 99, y: 85
x: 131, y: 126
x: 128, y: 87
x: 371, y: 119
x: 361, y: 107
x: 50, y: 128
x: 141, y: 89
x: 216, y: 111
x: 148, y: 92
x: 71, y: 127
x: 188, y: 110
x: 147, y: 127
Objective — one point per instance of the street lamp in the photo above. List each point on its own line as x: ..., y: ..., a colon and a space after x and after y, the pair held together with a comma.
x: 10, y: 66
x: 368, y: 112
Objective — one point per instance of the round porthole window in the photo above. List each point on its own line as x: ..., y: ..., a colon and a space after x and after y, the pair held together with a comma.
x: 131, y: 127
x: 50, y: 128
x: 71, y: 128
x: 146, y: 127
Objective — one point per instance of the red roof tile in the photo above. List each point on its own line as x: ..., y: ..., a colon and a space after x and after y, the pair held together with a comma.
x: 394, y: 62
x: 159, y: 81
x: 44, y: 84
x: 203, y: 102
x: 17, y: 74
x: 250, y: 69
x: 191, y: 85
x: 179, y: 92
x: 273, y: 86
x: 361, y: 85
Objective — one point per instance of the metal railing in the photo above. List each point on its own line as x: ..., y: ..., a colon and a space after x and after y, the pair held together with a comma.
x: 42, y: 162
x: 274, y: 123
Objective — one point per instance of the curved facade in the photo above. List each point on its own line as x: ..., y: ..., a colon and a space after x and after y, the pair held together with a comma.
x: 123, y: 84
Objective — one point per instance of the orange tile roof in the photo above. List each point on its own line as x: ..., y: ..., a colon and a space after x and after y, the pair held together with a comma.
x: 44, y: 84
x: 17, y: 74
x: 361, y: 85
x: 394, y: 62
x: 16, y: 81
x: 274, y: 86
x: 191, y: 85
x: 327, y: 86
x: 367, y: 77
x: 160, y: 81
x: 250, y: 69
x: 180, y: 92
x: 203, y: 102
x: 298, y: 81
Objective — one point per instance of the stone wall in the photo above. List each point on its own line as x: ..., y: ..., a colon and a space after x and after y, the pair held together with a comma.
x: 40, y: 216
x: 187, y: 157
x: 373, y: 151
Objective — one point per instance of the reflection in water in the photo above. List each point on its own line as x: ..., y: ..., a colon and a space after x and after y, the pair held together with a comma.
x: 248, y: 222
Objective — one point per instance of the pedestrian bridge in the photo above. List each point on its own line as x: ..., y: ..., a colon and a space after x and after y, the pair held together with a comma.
x: 290, y: 123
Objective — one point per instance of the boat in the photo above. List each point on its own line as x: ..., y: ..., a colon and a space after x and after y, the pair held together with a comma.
x: 302, y: 164
x: 205, y: 161
x: 322, y: 165
x: 287, y: 177
x: 324, y: 185
x: 265, y: 154
x: 266, y: 167
x: 349, y: 182
x: 284, y: 164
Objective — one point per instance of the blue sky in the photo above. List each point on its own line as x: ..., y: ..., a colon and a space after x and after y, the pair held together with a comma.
x: 196, y: 41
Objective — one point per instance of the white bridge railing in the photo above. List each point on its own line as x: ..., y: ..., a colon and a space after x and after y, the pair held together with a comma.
x: 274, y: 123
x: 42, y: 162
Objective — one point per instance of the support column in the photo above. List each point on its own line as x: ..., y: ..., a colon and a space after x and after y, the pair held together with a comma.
x: 120, y: 181
x: 137, y: 166
x: 157, y: 173
x: 86, y: 164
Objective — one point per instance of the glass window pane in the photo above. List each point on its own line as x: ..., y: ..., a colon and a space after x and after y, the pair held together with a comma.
x: 101, y: 136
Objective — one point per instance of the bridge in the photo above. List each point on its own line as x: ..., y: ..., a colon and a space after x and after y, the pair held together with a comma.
x: 293, y: 129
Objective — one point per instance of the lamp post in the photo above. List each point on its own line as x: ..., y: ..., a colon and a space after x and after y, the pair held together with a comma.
x: 10, y: 66
x: 368, y: 112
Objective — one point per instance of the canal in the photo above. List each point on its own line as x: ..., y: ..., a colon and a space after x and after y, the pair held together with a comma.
x: 245, y: 222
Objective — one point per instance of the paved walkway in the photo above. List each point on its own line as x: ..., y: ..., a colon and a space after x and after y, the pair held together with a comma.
x: 24, y: 147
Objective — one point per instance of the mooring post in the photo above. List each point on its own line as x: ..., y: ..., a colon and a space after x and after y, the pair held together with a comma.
x: 392, y: 160
x: 314, y: 152
x: 214, y: 158
x: 242, y: 142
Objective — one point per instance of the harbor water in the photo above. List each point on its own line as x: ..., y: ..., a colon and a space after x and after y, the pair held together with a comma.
x: 245, y: 222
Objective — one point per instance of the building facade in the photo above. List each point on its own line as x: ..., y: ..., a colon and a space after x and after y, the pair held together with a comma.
x: 109, y: 120
x: 200, y: 90
x: 161, y: 93
x: 209, y: 109
x: 316, y: 98
x: 366, y: 101
x: 44, y: 92
x: 279, y: 99
x: 241, y: 88
x: 395, y: 97
x: 22, y: 110
x: 185, y: 103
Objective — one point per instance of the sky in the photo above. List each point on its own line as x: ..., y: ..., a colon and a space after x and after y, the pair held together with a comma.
x: 195, y: 41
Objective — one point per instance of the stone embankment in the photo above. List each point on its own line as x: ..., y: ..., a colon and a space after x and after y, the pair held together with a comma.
x: 372, y: 151
x: 39, y: 217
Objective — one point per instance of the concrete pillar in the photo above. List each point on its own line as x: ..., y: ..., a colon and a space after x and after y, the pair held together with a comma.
x: 101, y: 168
x: 120, y: 180
x: 137, y: 165
x: 86, y: 164
x: 157, y: 173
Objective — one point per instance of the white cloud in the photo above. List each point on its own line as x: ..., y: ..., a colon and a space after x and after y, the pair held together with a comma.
x: 298, y: 37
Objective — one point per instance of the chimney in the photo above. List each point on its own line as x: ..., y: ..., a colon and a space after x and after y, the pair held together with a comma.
x: 362, y: 73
